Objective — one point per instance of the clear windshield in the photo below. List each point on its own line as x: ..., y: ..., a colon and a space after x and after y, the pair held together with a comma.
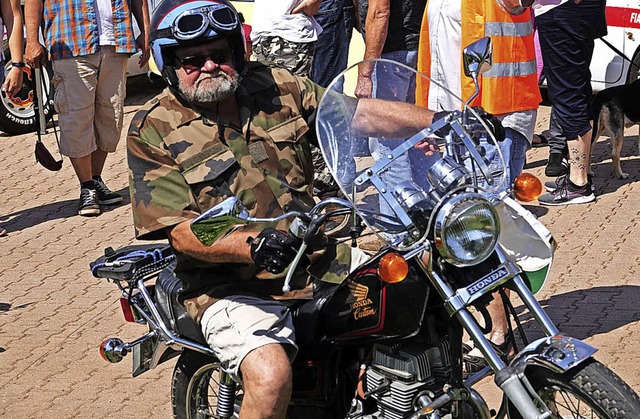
x: 394, y: 186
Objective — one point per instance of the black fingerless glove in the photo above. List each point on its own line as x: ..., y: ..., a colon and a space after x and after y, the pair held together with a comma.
x: 492, y: 122
x: 273, y: 250
x: 442, y: 132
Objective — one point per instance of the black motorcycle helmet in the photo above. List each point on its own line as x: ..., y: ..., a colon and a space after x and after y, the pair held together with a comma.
x: 177, y: 23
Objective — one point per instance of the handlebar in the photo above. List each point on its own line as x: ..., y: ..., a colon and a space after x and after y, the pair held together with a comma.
x: 316, y: 221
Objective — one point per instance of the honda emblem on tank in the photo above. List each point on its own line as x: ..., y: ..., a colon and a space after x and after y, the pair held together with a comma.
x: 362, y: 306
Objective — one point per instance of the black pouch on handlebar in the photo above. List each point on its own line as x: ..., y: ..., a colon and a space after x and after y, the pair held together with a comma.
x: 173, y: 313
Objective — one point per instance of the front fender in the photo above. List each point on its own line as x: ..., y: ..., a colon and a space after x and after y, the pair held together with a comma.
x: 558, y: 353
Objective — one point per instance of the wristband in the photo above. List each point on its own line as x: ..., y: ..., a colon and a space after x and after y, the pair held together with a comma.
x: 19, y: 64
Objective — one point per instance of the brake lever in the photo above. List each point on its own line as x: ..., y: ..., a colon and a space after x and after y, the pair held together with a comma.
x: 292, y: 268
x: 307, y: 233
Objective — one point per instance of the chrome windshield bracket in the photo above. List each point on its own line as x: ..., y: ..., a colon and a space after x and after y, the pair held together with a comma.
x: 465, y: 296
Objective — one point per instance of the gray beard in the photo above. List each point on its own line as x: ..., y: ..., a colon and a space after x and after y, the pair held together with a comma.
x: 206, y: 97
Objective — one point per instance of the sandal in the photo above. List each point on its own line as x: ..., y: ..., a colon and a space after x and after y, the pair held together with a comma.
x: 539, y: 140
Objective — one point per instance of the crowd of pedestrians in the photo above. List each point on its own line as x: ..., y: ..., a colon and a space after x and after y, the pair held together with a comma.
x: 311, y: 38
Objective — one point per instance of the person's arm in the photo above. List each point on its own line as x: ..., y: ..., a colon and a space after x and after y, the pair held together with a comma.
x: 308, y: 7
x: 377, y: 24
x: 140, y: 10
x: 35, y: 54
x: 514, y: 7
x: 230, y: 249
x: 13, y: 21
x: 376, y: 117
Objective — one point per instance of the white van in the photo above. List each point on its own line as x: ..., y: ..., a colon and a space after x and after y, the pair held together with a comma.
x: 608, y: 66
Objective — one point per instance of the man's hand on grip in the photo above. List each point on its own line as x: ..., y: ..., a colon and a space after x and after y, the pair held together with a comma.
x: 273, y: 250
x: 492, y: 122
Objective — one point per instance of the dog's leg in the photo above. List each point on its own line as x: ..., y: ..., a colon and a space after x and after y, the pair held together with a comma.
x: 616, y: 142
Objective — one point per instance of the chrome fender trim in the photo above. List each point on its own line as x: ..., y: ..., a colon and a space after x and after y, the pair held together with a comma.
x: 558, y: 353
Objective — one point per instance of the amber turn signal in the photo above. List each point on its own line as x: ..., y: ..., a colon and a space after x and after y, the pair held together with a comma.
x: 527, y: 187
x: 393, y: 268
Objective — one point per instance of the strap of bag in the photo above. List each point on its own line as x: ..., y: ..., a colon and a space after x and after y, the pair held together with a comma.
x: 43, y: 156
x: 39, y: 96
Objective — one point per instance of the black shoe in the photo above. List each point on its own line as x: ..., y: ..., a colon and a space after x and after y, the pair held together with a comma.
x: 105, y: 195
x: 556, y: 166
x: 88, y: 202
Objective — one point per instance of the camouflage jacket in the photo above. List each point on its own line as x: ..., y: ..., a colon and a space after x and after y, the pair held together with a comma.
x: 182, y: 163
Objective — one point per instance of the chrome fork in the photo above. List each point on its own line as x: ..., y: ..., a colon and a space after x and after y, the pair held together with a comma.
x: 513, y: 384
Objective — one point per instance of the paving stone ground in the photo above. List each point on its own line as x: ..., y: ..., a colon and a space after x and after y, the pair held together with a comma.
x: 54, y: 313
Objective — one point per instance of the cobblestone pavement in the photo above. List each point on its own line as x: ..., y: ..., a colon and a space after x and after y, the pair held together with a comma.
x: 54, y: 313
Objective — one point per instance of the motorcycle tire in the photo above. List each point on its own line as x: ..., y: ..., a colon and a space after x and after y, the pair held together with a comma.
x: 194, y: 387
x: 590, y: 390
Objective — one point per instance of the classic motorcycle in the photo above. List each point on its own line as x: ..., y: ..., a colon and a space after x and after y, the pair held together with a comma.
x: 388, y: 341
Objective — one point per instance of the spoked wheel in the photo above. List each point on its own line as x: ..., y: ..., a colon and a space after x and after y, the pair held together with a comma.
x: 590, y: 391
x: 196, y: 391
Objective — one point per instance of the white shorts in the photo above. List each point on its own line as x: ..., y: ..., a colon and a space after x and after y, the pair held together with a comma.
x: 238, y: 324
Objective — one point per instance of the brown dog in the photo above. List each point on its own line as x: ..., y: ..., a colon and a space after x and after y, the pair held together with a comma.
x: 615, y: 109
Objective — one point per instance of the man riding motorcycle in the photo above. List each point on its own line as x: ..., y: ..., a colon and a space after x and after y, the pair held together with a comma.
x: 228, y: 127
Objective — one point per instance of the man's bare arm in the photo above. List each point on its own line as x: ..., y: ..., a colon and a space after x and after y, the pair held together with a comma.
x: 230, y: 249
x: 377, y: 24
x: 140, y: 10
x: 376, y: 117
x: 35, y: 54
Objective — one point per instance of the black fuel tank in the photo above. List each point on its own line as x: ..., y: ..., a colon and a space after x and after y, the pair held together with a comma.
x: 365, y: 307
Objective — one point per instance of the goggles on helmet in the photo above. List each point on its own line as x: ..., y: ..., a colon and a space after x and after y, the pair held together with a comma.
x: 193, y: 23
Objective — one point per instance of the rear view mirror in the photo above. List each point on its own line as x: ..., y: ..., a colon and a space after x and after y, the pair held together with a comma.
x: 477, y: 57
x: 220, y: 220
x: 477, y: 60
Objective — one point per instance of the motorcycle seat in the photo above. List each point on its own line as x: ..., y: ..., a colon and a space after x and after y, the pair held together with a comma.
x: 173, y: 313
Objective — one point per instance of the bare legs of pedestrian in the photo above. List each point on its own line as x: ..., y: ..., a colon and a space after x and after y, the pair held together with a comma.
x: 90, y: 165
x: 580, y: 159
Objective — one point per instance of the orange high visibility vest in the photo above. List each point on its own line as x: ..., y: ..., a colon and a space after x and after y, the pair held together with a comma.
x: 512, y: 83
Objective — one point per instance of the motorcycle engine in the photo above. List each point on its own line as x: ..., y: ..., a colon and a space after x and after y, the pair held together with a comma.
x: 400, y: 374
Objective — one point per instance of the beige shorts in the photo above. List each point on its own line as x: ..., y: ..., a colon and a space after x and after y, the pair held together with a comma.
x: 238, y: 324
x: 89, y: 98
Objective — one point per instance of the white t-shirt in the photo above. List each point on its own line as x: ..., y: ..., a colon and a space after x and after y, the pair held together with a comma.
x: 445, y: 28
x: 445, y: 42
x: 543, y: 6
x: 274, y: 18
x: 104, y: 16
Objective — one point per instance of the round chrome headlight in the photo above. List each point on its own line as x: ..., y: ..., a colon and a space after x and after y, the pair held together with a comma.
x: 466, y: 229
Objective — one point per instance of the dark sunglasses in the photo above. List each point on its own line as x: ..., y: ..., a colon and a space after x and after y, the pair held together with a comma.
x: 197, y: 61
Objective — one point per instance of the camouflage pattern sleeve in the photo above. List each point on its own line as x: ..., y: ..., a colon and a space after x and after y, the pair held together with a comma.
x: 311, y: 94
x: 160, y: 196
